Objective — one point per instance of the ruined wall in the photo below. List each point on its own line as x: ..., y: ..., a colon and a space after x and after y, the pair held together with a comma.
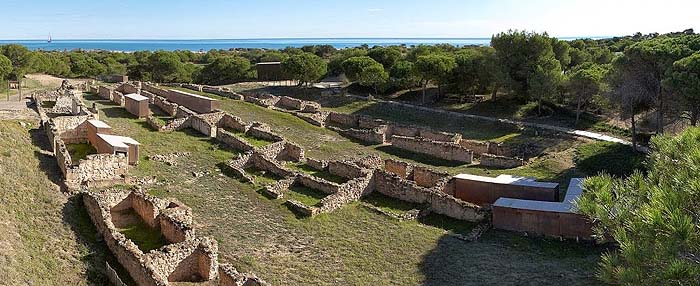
x: 439, y: 136
x: 401, y: 169
x: 342, y: 119
x: 262, y: 131
x: 479, y: 147
x: 317, y: 184
x: 127, y: 88
x: 232, y: 140
x: 206, y: 123
x: 425, y: 177
x: 392, y: 185
x: 167, y: 106
x: 105, y: 92
x: 349, y: 192
x: 290, y: 103
x: 270, y: 165
x: 345, y: 169
x: 99, y: 168
x: 500, y: 162
x: 118, y: 98
x: 442, y: 150
x: 232, y: 122
x: 374, y: 136
x: 155, y: 90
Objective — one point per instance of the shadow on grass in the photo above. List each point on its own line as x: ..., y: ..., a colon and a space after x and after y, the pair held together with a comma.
x: 504, y: 258
x: 117, y: 112
x: 76, y: 216
x: 47, y: 162
x: 421, y: 158
x: 389, y: 204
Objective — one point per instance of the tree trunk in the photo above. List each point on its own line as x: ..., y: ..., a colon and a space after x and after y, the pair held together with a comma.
x: 495, y: 92
x: 439, y: 95
x: 578, y: 110
x: 634, y: 133
x: 425, y: 86
x: 539, y: 106
x: 694, y: 117
x: 660, y: 113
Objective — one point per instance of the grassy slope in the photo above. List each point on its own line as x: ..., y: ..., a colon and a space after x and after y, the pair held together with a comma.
x: 351, y: 246
x: 45, y: 239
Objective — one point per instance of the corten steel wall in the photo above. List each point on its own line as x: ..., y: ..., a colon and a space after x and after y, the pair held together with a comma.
x: 92, y: 131
x: 481, y: 193
x: 194, y: 102
x: 558, y: 224
x: 138, y: 108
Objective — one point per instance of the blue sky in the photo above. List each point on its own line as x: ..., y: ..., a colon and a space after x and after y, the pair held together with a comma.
x: 210, y: 19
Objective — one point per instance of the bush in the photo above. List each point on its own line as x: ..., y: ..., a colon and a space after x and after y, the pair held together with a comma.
x: 616, y: 159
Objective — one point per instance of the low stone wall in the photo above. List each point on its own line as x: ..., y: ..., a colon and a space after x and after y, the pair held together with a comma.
x: 128, y: 88
x: 232, y: 140
x: 479, y: 147
x: 229, y: 276
x: 232, y: 122
x: 317, y: 184
x: 262, y: 131
x: 167, y: 106
x: 500, y: 162
x: 263, y: 163
x: 345, y: 169
x: 366, y: 122
x: 190, y: 259
x: 93, y: 89
x: 427, y: 178
x: 206, y: 123
x: 392, y: 185
x: 442, y: 150
x: 316, y: 118
x: 401, y: 169
x: 349, y: 192
x: 374, y: 136
x: 184, y: 112
x: 342, y: 119
x: 439, y: 136
x: 262, y: 99
x: 290, y: 103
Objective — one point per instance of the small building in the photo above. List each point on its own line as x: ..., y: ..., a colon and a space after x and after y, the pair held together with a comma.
x: 95, y: 127
x: 136, y: 104
x: 113, y: 144
x: 270, y: 71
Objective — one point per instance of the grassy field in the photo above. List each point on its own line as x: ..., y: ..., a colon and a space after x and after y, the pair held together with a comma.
x: 352, y: 246
x: 46, y: 238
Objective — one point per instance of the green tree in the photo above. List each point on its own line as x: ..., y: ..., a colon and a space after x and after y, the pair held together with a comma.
x: 373, y: 76
x: 434, y: 68
x: 585, y: 82
x: 306, y: 67
x: 354, y: 66
x: 20, y: 57
x: 653, y: 217
x: 5, y: 67
x: 387, y: 56
x: 476, y: 70
x: 83, y: 65
x: 544, y: 80
x: 684, y: 80
x: 335, y: 66
x: 403, y: 75
x: 225, y: 70
x: 166, y: 67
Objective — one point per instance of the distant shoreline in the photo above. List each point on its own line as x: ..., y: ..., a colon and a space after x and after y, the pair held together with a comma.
x: 202, y: 45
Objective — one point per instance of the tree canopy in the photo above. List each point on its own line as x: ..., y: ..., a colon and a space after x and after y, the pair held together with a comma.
x: 684, y: 80
x: 653, y: 217
x: 5, y: 67
x: 306, y: 67
x: 225, y: 70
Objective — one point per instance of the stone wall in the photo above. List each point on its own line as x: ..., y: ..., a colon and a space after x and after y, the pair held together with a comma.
x: 232, y: 140
x: 439, y: 136
x: 425, y: 177
x: 128, y: 88
x: 261, y: 99
x: 232, y: 122
x: 167, y: 106
x: 155, y: 90
x: 317, y: 184
x: 262, y: 131
x: 374, y: 136
x: 105, y: 92
x: 479, y: 147
x: 401, y: 169
x: 342, y: 119
x: 184, y: 112
x: 442, y: 150
x: 392, y: 185
x: 206, y: 123
x: 500, y: 162
x: 118, y: 98
x: 345, y: 169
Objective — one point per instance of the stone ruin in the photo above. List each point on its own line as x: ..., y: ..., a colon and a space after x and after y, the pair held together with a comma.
x: 183, y: 256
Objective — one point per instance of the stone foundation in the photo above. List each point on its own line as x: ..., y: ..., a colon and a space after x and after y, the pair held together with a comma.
x: 442, y: 150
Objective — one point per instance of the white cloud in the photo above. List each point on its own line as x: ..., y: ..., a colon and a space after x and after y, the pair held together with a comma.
x: 375, y: 10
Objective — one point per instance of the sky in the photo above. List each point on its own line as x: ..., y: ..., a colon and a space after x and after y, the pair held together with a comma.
x: 245, y: 19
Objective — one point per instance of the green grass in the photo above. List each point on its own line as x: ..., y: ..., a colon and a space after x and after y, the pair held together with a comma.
x: 46, y: 237
x: 254, y: 141
x: 304, y: 168
x: 80, y: 151
x: 612, y: 158
x: 351, y: 246
x: 304, y: 195
x: 145, y: 237
x: 262, y: 178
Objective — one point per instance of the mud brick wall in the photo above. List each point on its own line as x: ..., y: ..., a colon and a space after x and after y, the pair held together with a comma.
x: 374, y: 136
x: 342, y: 119
x: 442, y: 150
x: 105, y: 92
x: 425, y: 177
x: 500, y: 162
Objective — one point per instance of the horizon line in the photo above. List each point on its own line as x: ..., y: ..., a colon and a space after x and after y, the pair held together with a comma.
x: 288, y: 38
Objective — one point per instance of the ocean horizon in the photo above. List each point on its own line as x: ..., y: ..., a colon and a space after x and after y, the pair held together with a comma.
x: 132, y: 45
